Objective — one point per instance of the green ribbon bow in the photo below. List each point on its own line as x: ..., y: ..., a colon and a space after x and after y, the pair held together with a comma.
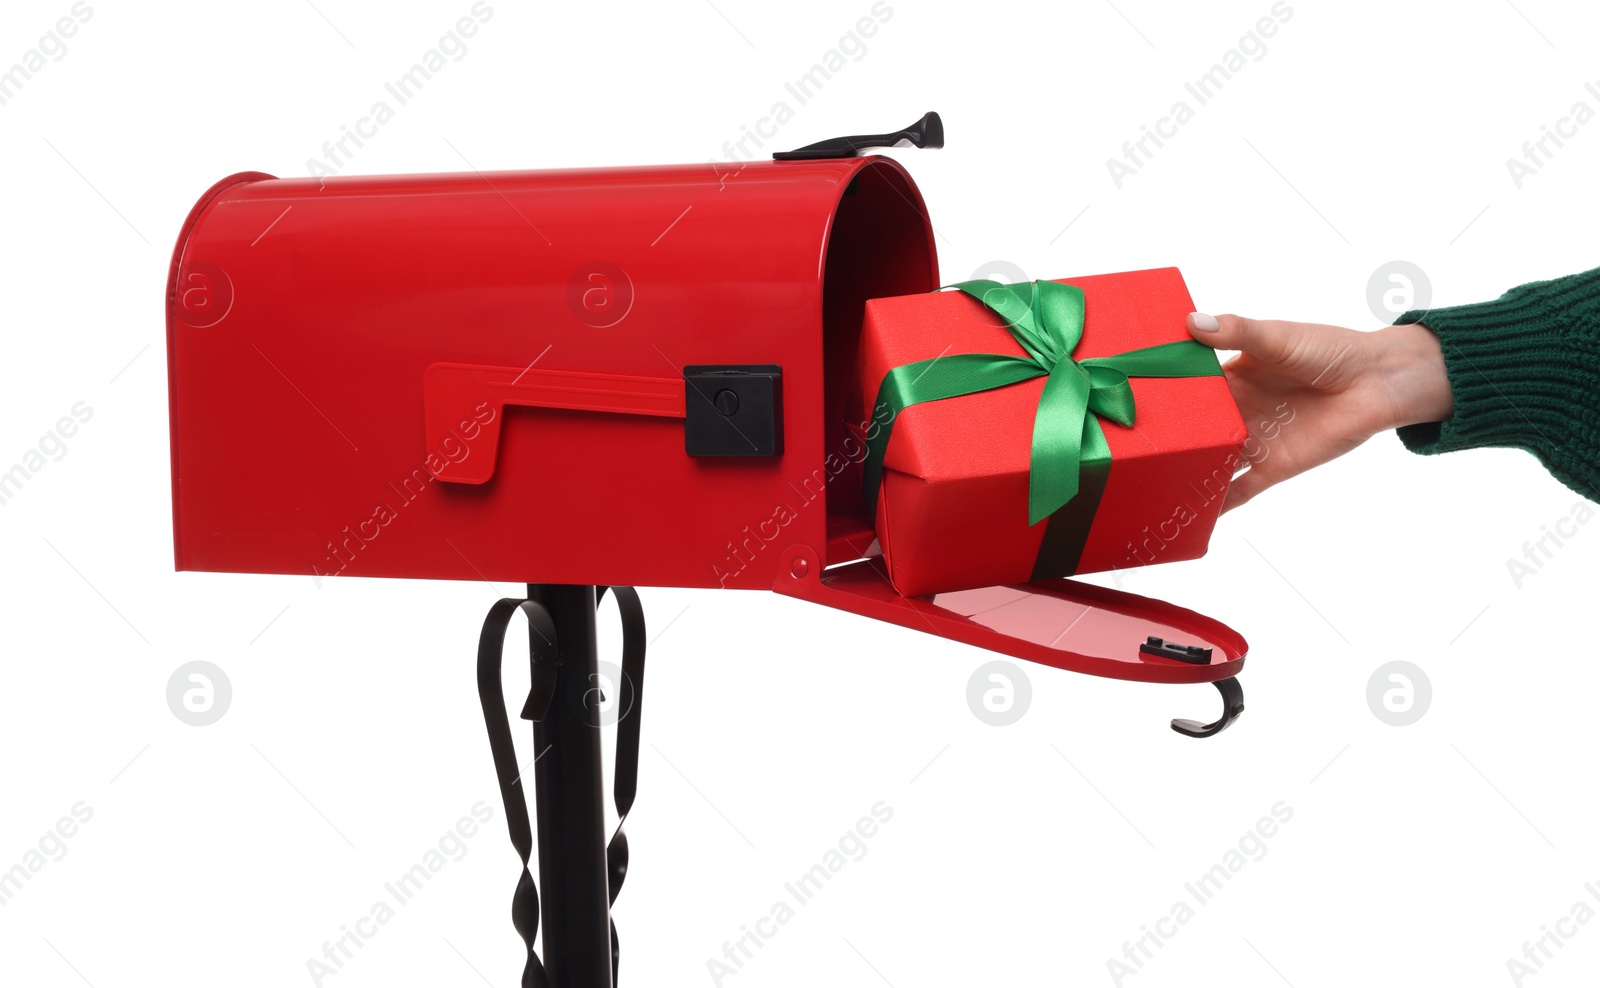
x: 1069, y: 447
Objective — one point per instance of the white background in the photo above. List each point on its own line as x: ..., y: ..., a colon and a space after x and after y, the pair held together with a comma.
x: 1368, y: 132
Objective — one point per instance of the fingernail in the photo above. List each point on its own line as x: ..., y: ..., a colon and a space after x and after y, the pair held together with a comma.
x: 1203, y: 322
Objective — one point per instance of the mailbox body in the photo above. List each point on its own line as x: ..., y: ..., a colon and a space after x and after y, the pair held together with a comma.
x: 482, y: 377
x: 347, y: 358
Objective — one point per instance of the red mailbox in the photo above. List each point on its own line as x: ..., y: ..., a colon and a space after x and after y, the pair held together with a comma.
x: 581, y: 380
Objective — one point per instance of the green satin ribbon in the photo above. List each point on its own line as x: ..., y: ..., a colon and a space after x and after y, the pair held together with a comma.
x: 1069, y: 447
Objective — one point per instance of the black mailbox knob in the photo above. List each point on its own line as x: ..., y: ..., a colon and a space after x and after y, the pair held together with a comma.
x: 733, y: 410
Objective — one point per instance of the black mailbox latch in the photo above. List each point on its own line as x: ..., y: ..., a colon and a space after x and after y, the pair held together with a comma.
x: 1193, y: 654
x: 733, y: 410
x: 927, y: 132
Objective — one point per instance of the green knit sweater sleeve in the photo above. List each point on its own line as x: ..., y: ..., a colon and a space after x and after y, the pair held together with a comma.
x: 1524, y: 373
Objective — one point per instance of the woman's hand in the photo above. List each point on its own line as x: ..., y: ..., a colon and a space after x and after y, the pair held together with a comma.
x: 1309, y: 393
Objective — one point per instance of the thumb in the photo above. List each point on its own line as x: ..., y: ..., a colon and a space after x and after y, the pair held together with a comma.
x: 1245, y: 487
x: 1269, y: 340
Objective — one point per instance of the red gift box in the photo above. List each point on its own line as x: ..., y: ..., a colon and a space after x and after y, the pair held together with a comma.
x: 952, y: 508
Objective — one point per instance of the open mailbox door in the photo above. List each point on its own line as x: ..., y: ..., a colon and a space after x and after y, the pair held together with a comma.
x: 1065, y: 624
